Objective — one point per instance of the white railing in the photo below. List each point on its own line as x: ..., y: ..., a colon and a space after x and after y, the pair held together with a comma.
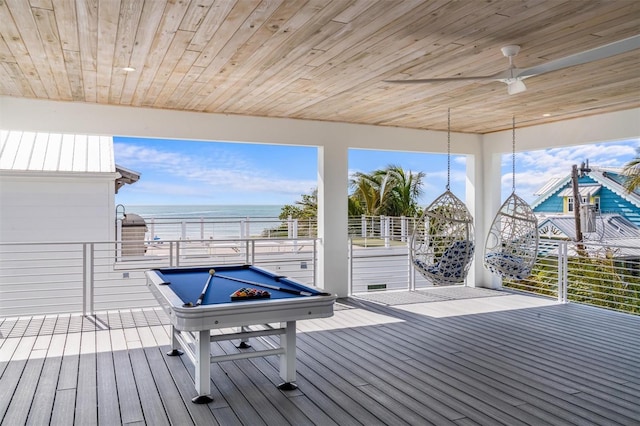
x: 46, y: 278
x: 599, y: 274
x: 203, y: 228
x: 361, y: 228
x: 375, y: 265
x: 41, y: 278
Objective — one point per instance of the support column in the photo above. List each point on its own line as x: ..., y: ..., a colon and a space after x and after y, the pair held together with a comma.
x: 333, y: 189
x: 484, y: 198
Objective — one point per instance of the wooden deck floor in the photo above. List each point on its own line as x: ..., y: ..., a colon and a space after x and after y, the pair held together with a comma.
x: 452, y: 356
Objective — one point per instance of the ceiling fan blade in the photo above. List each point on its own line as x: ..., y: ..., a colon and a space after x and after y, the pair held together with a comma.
x: 440, y: 80
x: 602, y: 52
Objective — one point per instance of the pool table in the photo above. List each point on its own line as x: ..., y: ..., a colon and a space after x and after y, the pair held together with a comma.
x: 194, y: 313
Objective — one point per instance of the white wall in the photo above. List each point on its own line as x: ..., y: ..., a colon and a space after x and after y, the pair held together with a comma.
x: 50, y: 207
x: 335, y: 139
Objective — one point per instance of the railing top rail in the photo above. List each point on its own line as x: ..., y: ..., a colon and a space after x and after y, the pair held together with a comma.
x: 206, y: 240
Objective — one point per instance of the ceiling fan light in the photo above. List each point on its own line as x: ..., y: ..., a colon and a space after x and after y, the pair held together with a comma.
x: 516, y: 86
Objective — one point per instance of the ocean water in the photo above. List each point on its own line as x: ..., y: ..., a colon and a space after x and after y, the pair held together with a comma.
x: 206, y: 211
x: 205, y: 222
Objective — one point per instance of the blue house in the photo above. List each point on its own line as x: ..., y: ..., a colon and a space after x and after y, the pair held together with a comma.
x: 602, y: 188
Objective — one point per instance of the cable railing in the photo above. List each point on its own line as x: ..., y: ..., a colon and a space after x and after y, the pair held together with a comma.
x: 52, y: 278
x: 48, y: 278
x: 599, y: 274
x: 367, y: 229
x: 203, y: 228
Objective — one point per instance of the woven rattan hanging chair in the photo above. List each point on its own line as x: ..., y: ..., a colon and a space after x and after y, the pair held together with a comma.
x: 442, y: 244
x: 511, y: 248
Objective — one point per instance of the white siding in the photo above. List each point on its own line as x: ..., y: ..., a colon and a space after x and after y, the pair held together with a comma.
x: 56, y: 208
x: 56, y: 187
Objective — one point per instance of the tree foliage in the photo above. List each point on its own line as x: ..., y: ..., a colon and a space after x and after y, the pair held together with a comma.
x: 632, y: 171
x: 307, y: 208
x: 390, y: 192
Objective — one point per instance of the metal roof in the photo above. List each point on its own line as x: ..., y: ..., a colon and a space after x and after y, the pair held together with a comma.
x: 585, y: 191
x: 551, y: 183
x: 609, y: 227
x: 54, y: 152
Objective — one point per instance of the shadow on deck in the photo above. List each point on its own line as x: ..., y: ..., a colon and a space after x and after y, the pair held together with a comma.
x: 444, y: 356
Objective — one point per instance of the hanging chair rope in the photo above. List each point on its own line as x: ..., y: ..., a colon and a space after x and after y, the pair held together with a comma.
x: 442, y: 244
x: 513, y: 153
x: 511, y: 248
x: 448, y: 148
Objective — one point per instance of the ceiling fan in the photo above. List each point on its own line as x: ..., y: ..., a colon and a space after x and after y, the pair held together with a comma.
x: 514, y: 76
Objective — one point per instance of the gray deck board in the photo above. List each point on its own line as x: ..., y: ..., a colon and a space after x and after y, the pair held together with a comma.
x: 397, y: 362
x: 87, y: 397
x: 42, y: 404
x: 19, y: 408
x: 130, y: 405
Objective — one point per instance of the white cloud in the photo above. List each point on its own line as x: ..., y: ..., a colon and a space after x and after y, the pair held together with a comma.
x: 535, y: 168
x: 218, y: 173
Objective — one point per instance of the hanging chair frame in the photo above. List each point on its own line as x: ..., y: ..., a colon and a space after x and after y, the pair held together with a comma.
x: 511, y: 248
x: 442, y: 243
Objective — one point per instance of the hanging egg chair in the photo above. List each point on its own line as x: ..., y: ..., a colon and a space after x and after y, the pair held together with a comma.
x: 442, y: 244
x: 511, y: 248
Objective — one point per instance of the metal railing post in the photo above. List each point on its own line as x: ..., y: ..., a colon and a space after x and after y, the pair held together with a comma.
x: 87, y: 279
x: 315, y: 261
x: 152, y: 228
x: 350, y: 270
x: 384, y: 220
x: 562, y: 271
x: 411, y: 270
x: 91, y: 274
x: 84, y: 279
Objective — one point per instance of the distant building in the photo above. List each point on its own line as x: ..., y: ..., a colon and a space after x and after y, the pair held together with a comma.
x: 602, y: 188
x: 615, y: 222
x: 58, y: 187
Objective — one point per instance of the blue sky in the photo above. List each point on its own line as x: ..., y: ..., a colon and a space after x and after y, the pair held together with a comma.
x: 205, y: 173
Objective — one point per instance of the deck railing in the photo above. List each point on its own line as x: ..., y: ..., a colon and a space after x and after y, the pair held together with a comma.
x: 43, y: 278
x: 361, y: 228
x: 594, y: 273
x: 48, y: 278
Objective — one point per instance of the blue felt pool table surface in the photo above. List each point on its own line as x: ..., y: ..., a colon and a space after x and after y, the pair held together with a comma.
x: 188, y: 283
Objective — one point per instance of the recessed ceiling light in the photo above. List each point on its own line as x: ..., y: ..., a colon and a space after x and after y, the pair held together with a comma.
x: 128, y: 69
x: 546, y: 114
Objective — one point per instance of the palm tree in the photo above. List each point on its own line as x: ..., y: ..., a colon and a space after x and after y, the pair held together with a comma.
x: 368, y: 192
x: 390, y: 191
x: 632, y: 171
x: 407, y: 189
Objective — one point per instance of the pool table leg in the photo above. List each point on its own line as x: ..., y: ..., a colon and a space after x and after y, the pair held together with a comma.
x: 244, y: 343
x: 203, y: 367
x: 175, y: 345
x: 288, y: 359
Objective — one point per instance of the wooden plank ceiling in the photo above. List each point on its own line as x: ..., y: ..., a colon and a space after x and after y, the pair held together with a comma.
x: 322, y: 59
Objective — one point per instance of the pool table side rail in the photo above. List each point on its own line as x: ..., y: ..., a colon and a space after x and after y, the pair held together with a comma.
x: 234, y: 314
